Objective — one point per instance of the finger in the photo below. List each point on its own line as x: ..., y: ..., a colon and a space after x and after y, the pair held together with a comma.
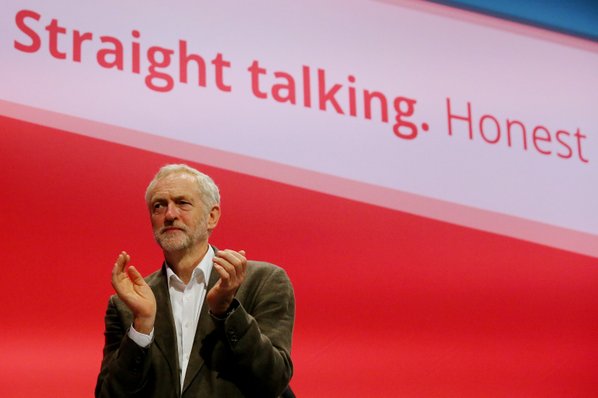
x: 244, y: 262
x: 225, y: 275
x: 119, y: 266
x: 233, y: 262
x: 135, y: 276
x: 242, y: 265
x: 234, y: 258
x: 231, y: 255
x: 225, y: 268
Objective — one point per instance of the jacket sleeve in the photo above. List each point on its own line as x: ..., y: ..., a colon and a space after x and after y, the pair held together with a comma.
x: 125, y: 364
x: 259, y: 332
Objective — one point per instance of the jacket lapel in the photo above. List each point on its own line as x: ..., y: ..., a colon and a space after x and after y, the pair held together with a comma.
x: 204, y: 327
x: 164, y: 330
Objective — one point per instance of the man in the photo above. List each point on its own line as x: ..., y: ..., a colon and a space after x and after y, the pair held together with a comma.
x: 209, y: 323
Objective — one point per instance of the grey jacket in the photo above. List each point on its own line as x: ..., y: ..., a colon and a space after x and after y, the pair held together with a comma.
x: 246, y: 355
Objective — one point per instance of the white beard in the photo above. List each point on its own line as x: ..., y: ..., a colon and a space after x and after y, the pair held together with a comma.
x: 179, y: 240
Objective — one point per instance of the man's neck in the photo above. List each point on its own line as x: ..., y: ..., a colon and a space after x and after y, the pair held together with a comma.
x: 182, y: 262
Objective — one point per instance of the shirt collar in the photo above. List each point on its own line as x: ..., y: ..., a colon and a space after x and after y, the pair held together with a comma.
x: 204, y: 268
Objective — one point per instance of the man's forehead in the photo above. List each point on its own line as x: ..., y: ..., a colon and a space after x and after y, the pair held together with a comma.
x: 176, y: 184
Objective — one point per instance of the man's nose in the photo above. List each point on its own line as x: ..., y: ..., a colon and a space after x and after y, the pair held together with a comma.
x: 172, y: 212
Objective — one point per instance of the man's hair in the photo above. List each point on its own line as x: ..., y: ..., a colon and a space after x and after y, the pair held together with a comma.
x: 207, y: 188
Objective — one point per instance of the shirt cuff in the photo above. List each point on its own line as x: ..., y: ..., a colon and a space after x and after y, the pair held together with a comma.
x: 141, y: 339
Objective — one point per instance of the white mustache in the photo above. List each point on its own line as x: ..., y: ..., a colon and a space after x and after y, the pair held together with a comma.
x: 177, y: 226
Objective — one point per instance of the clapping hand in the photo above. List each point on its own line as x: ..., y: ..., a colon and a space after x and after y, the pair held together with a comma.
x: 132, y: 289
x: 231, y: 267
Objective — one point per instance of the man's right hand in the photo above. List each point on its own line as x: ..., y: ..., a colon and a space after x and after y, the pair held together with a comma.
x: 132, y: 289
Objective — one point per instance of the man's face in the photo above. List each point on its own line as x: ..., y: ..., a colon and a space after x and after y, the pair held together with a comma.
x: 178, y: 215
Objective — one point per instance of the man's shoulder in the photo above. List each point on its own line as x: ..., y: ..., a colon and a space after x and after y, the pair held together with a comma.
x: 261, y: 273
x: 262, y: 268
x: 264, y: 282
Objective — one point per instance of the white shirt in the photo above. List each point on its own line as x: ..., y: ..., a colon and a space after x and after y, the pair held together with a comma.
x: 186, y: 301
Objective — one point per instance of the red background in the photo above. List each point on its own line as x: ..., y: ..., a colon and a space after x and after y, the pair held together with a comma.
x: 388, y: 304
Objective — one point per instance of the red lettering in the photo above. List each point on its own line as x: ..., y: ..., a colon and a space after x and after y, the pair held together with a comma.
x: 35, y: 40
x: 184, y: 60
x: 511, y: 123
x: 135, y: 53
x: 306, y: 87
x: 159, y: 58
x: 78, y: 40
x: 220, y: 64
x: 544, y: 141
x: 463, y: 118
x: 352, y: 101
x: 545, y: 138
x: 579, y: 136
x: 564, y: 144
x: 288, y: 86
x: 497, y: 129
x: 256, y: 71
x: 116, y: 53
x: 328, y: 95
x: 404, y: 107
x: 367, y: 99
x: 54, y: 30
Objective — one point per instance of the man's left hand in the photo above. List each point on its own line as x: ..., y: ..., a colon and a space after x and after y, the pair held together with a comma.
x: 231, y: 267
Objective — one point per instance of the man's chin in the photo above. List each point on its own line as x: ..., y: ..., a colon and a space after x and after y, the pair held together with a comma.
x: 172, y: 245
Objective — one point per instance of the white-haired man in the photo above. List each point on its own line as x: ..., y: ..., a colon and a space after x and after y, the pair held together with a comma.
x: 209, y: 323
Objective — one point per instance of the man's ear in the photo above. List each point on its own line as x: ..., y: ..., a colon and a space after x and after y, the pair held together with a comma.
x: 213, y: 217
